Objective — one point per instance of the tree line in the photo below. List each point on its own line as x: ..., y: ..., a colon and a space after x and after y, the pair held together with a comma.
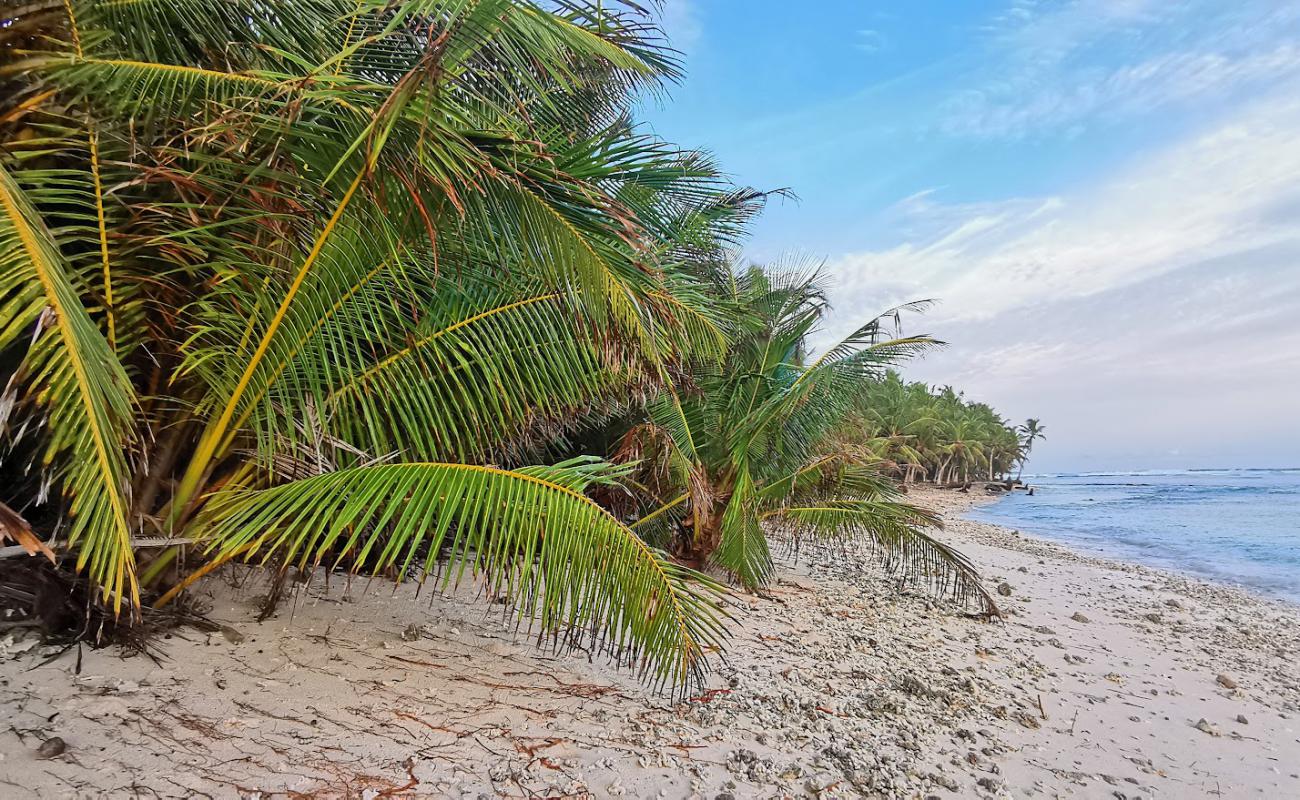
x: 919, y: 432
x: 403, y: 289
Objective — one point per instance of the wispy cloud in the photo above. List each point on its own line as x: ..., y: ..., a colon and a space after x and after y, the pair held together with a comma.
x: 1092, y: 63
x: 1232, y: 188
x: 870, y: 41
x: 680, y: 18
x: 1141, y: 309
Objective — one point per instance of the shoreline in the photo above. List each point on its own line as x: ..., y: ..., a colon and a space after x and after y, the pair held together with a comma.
x: 1213, y: 663
x: 835, y: 685
x: 1115, y: 562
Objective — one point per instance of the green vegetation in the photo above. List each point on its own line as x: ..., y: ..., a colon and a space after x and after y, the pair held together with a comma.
x: 916, y: 432
x: 327, y: 288
x: 746, y: 450
x: 1032, y: 431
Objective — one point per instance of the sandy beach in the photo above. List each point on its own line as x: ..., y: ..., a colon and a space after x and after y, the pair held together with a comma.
x: 1105, y: 680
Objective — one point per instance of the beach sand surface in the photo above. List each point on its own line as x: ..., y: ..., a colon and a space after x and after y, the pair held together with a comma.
x: 1105, y: 680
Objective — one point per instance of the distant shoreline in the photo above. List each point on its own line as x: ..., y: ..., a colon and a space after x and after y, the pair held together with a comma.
x: 1071, y: 531
x: 1202, y: 676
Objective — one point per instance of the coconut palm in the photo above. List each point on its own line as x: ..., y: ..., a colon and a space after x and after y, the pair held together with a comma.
x: 743, y: 449
x: 1030, y: 432
x: 308, y: 282
x: 915, y: 430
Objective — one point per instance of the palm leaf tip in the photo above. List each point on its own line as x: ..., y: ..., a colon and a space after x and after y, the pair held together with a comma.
x: 567, y: 565
x: 898, y: 530
x: 743, y: 546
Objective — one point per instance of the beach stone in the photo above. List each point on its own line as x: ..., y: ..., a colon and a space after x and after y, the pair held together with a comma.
x: 1204, y: 726
x: 1079, y: 617
x: 1226, y: 681
x: 1004, y: 589
x: 1174, y: 604
x: 1241, y: 719
x: 51, y: 748
x: 991, y: 784
x: 1153, y: 617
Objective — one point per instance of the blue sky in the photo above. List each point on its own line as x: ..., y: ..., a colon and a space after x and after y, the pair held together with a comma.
x: 1104, y: 195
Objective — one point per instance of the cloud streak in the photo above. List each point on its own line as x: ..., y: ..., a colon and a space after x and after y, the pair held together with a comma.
x: 1095, y: 63
x: 1133, y: 310
x: 1229, y: 189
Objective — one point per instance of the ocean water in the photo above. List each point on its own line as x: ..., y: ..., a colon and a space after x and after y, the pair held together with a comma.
x: 1236, y: 526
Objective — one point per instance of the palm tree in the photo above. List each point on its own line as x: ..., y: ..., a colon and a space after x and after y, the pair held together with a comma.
x: 1030, y: 432
x: 745, y: 447
x: 310, y: 282
x: 913, y: 429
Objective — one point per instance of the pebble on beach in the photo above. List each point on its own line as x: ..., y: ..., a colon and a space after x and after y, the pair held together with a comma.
x: 52, y: 747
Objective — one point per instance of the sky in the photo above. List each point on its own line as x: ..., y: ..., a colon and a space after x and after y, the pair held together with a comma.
x: 1103, y: 196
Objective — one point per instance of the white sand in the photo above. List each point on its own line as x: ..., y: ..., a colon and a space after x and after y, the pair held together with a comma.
x: 835, y: 686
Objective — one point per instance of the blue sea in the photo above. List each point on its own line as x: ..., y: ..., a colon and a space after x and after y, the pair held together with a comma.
x: 1236, y: 526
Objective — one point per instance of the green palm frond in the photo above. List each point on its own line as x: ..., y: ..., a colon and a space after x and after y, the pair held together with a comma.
x: 485, y: 367
x: 75, y: 375
x: 564, y: 562
x: 231, y: 27
x: 840, y: 475
x: 743, y: 549
x: 658, y: 526
x: 580, y: 473
x: 897, y: 529
x: 253, y: 375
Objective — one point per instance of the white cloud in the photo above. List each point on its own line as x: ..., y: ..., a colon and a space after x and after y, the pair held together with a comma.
x: 1096, y: 62
x: 870, y: 41
x: 1168, y: 79
x: 1212, y: 195
x: 1154, y: 308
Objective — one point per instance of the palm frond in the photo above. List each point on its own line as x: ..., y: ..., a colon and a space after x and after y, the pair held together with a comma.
x: 564, y: 562
x: 897, y: 530
x: 488, y: 364
x: 658, y: 526
x: 79, y: 380
x: 743, y: 549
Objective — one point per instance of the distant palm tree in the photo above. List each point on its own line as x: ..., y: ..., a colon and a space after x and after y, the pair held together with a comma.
x: 1030, y: 432
x: 747, y: 447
